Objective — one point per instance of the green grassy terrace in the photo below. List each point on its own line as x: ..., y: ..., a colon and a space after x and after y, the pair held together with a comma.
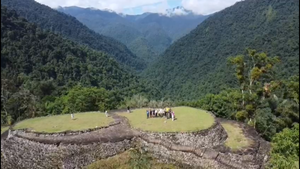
x: 4, y: 128
x: 62, y: 123
x: 187, y: 120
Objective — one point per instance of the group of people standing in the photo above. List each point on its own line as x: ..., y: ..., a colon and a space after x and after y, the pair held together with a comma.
x: 167, y: 113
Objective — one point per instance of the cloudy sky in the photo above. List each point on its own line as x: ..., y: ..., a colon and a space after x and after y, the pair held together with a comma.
x: 141, y: 6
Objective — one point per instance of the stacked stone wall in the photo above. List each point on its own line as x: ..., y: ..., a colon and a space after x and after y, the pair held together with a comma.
x: 203, y: 149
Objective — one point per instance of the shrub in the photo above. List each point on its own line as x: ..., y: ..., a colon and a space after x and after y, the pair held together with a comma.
x: 10, y: 120
x: 140, y: 159
x: 241, y: 115
x: 285, y: 149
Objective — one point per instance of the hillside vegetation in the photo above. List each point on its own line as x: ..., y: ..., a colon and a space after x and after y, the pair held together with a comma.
x: 158, y: 31
x: 37, y: 66
x: 240, y: 64
x: 196, y: 64
x: 133, y: 158
x: 67, y: 26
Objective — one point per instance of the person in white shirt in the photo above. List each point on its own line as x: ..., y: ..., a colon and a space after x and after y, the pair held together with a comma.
x: 173, y: 115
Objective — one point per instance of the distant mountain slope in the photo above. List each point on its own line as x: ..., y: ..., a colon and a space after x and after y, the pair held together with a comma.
x: 175, y: 26
x: 29, y: 54
x: 143, y: 48
x: 40, y: 69
x: 196, y: 64
x: 157, y: 37
x: 125, y: 35
x: 159, y: 30
x: 71, y: 28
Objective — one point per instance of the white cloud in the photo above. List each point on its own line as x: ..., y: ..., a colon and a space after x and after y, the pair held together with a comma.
x: 156, y: 6
x: 116, y: 5
x: 179, y: 12
x: 207, y: 6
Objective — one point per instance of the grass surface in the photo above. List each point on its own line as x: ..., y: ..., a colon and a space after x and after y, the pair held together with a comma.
x: 3, y: 129
x: 236, y: 139
x: 61, y: 123
x: 122, y: 161
x: 187, y: 120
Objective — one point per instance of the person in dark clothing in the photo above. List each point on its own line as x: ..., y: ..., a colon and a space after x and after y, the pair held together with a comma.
x: 128, y: 109
x: 147, y: 113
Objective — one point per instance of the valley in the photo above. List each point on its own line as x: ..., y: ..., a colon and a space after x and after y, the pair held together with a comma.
x: 147, y: 35
x: 83, y: 87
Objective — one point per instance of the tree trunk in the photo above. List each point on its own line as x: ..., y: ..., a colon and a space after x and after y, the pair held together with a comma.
x: 250, y: 86
x: 243, y: 95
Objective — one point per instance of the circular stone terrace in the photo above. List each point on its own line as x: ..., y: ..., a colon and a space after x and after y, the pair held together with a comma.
x: 194, y: 134
x: 94, y: 127
x: 62, y: 123
x: 187, y: 119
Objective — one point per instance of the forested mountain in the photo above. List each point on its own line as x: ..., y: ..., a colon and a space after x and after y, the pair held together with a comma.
x: 158, y: 30
x: 69, y: 27
x: 142, y: 47
x: 37, y: 66
x: 197, y: 63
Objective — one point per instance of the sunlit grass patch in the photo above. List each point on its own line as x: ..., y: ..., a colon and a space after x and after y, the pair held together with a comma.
x: 236, y: 139
x: 187, y: 120
x: 61, y: 123
x: 3, y: 129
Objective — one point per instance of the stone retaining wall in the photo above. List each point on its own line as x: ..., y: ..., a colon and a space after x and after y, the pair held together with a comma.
x: 116, y: 131
x: 203, y: 157
x: 211, y: 155
x: 64, y: 133
x: 213, y: 136
x: 22, y: 153
x: 167, y: 155
x: 203, y: 149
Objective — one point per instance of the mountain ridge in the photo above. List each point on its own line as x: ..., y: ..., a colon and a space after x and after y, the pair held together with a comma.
x: 195, y: 65
x: 170, y: 12
x: 47, y: 57
x: 68, y: 26
x: 159, y: 30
